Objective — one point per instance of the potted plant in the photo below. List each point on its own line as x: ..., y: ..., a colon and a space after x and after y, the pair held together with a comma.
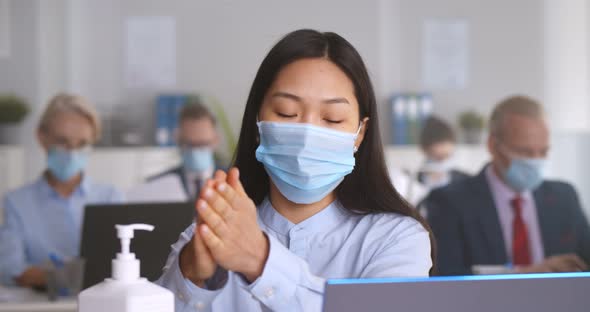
x: 472, y: 125
x: 13, y: 110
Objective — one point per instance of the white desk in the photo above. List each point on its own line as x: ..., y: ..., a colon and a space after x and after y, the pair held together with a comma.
x: 58, y: 306
x: 30, y: 301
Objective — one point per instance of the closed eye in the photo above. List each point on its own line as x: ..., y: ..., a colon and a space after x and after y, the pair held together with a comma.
x: 287, y: 115
x: 333, y: 121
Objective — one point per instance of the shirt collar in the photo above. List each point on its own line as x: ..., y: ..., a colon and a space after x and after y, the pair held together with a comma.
x: 499, y: 188
x: 322, y: 221
x: 84, y: 186
x: 82, y: 189
x: 192, y: 176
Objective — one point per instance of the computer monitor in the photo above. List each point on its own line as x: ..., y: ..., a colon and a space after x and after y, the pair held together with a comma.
x: 100, y: 244
x: 491, y: 293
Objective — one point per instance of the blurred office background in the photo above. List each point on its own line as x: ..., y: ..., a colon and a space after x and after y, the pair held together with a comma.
x: 465, y: 55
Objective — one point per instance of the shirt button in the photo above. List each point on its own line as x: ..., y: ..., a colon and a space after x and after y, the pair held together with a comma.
x: 269, y: 292
x: 180, y: 296
x: 199, y: 306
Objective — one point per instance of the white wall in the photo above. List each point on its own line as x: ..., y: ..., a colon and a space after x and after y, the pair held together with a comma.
x: 566, y: 64
x: 79, y: 46
x: 219, y: 45
x: 35, y: 67
x: 506, y: 50
x: 19, y: 72
x: 506, y: 47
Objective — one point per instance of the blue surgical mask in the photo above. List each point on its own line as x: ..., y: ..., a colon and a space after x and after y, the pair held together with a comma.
x: 525, y: 174
x: 198, y: 159
x: 65, y: 164
x: 439, y: 166
x: 436, y: 173
x: 305, y: 162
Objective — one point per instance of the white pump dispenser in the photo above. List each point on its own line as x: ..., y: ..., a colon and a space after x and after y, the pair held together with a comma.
x: 126, y: 290
x: 126, y: 266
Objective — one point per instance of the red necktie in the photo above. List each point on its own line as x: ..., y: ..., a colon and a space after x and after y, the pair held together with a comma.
x: 521, y: 254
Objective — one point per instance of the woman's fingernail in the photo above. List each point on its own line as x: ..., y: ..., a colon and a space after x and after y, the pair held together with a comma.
x: 221, y: 187
x: 201, y: 205
x: 208, y: 193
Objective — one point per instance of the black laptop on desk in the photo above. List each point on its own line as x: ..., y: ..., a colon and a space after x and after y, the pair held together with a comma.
x: 99, y: 244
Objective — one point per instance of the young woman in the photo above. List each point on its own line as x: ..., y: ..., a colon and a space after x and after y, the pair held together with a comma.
x: 309, y: 198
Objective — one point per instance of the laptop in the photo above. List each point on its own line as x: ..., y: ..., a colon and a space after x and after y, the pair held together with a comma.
x: 484, y: 293
x: 99, y: 244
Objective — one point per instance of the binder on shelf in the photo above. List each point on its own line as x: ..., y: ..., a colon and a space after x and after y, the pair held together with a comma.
x: 425, y: 107
x: 179, y: 102
x: 163, y: 134
x: 409, y: 113
x: 168, y: 107
x: 399, y: 127
x: 413, y: 121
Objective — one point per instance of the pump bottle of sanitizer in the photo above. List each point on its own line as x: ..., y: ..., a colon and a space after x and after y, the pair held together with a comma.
x: 126, y: 290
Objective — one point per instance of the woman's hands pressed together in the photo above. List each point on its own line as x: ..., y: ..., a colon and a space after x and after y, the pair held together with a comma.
x: 227, y: 232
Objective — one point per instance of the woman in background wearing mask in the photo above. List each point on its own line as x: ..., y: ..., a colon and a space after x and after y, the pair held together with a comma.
x: 437, y: 141
x: 310, y: 198
x: 43, y: 219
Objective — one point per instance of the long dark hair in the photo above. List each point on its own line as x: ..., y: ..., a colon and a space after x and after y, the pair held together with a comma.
x: 368, y: 188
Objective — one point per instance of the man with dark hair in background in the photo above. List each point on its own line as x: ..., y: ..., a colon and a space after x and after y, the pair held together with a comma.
x: 438, y: 141
x: 197, y: 140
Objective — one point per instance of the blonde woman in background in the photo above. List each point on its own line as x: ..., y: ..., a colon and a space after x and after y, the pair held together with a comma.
x: 43, y: 219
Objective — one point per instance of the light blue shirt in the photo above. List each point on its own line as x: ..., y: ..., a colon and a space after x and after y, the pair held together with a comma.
x: 331, y: 244
x: 38, y: 221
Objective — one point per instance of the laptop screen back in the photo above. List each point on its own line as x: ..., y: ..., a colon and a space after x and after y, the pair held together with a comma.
x: 100, y: 244
x: 532, y: 292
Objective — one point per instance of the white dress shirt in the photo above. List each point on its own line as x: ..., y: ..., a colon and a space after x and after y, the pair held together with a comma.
x: 39, y: 222
x: 502, y: 195
x: 191, y: 177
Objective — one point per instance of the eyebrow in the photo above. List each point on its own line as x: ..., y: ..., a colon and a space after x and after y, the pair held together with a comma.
x: 299, y: 99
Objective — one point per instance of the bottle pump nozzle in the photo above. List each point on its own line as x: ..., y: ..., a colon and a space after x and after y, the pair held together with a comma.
x: 126, y: 266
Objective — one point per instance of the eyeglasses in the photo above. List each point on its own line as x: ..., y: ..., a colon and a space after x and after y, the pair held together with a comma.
x: 188, y: 146
x: 87, y: 148
x: 68, y: 143
x: 513, y: 153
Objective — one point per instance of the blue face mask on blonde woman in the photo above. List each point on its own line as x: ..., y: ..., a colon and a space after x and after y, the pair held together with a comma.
x: 308, y: 198
x: 43, y: 219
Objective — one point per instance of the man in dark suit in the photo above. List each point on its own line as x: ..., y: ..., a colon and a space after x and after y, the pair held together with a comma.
x: 508, y: 214
x: 197, y: 140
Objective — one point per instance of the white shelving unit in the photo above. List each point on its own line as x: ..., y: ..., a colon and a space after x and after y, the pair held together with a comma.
x: 125, y: 167
x: 409, y: 158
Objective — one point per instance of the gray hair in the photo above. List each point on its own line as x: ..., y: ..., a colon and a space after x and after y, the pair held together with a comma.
x: 514, y: 105
x: 64, y: 102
